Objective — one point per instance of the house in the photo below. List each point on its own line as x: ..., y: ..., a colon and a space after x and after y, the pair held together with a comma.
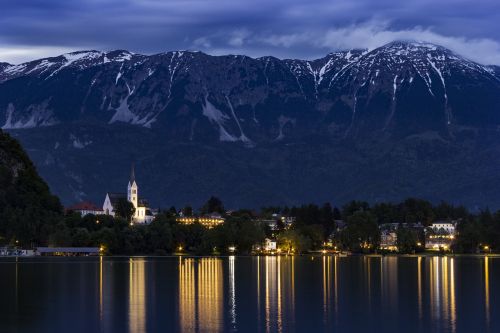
x: 142, y: 214
x: 388, y: 240
x: 270, y: 245
x: 85, y: 208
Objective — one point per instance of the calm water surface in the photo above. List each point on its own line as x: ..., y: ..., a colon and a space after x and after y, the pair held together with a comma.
x: 250, y: 294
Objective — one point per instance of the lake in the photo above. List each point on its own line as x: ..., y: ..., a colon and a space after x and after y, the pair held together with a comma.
x: 250, y: 294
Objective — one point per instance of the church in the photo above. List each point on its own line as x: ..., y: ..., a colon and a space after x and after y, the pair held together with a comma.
x: 142, y: 214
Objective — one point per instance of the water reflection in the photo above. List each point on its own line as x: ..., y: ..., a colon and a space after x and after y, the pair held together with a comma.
x: 279, y: 292
x: 201, y: 294
x: 487, y: 289
x: 442, y: 291
x: 251, y: 294
x: 137, y: 295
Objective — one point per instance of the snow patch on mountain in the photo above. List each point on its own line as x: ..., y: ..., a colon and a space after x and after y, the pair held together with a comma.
x: 40, y: 116
x: 78, y: 143
x: 219, y: 118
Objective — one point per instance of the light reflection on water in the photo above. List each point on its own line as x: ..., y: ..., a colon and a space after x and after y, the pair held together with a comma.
x: 255, y: 294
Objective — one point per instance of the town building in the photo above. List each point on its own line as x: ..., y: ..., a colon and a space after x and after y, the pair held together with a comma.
x: 440, y: 235
x: 388, y: 240
x: 85, y: 208
x: 444, y: 227
x: 208, y: 221
x: 142, y: 214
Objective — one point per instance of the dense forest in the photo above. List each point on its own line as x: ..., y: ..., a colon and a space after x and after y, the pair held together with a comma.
x: 31, y: 216
x: 29, y: 213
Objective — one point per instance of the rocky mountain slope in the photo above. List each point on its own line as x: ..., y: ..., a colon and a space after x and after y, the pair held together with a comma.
x: 405, y: 119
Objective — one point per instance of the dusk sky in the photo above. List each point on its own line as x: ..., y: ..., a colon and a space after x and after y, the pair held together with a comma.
x: 307, y: 29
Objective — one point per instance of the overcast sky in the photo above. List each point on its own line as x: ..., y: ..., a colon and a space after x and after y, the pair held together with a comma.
x: 306, y: 29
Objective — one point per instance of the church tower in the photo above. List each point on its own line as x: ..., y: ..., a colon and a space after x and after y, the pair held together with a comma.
x: 133, y: 189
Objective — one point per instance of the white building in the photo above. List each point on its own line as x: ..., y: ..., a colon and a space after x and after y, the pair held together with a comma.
x: 440, y: 236
x: 142, y: 212
x: 85, y: 208
x: 446, y: 227
x: 270, y: 245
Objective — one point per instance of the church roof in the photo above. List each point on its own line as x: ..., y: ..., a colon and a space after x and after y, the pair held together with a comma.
x: 114, y: 197
x: 143, y: 203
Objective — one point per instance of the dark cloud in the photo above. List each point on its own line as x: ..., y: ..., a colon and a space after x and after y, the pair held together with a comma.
x: 284, y: 28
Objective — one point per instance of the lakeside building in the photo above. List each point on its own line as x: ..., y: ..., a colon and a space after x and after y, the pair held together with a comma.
x: 67, y: 251
x: 440, y: 235
x: 389, y: 236
x: 142, y: 215
x: 269, y: 246
x: 388, y: 240
x: 208, y: 221
x: 85, y: 208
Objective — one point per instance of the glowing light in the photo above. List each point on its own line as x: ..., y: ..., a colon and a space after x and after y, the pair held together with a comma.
x: 419, y: 244
x: 232, y: 248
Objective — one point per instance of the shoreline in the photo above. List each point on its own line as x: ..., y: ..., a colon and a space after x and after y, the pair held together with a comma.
x: 314, y: 255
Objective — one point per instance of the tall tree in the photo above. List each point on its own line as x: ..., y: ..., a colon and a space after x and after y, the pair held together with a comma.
x: 125, y: 209
x: 213, y: 205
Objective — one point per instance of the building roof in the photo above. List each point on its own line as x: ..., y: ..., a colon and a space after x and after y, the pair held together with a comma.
x: 67, y: 249
x: 143, y: 203
x: 84, y: 205
x: 114, y: 197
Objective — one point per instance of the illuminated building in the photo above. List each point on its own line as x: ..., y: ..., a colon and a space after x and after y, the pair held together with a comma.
x: 208, y: 221
x: 440, y: 236
x: 388, y: 240
x: 142, y: 212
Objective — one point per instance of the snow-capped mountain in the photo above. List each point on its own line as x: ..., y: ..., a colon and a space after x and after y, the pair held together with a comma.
x: 386, y: 97
x: 237, y: 98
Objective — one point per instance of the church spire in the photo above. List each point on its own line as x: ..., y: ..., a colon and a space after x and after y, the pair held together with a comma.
x: 132, y: 174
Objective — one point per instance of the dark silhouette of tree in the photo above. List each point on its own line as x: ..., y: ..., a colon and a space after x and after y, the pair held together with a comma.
x: 125, y: 209
x: 213, y: 205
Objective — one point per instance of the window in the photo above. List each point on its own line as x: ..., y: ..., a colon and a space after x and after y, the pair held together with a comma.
x: 133, y: 191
